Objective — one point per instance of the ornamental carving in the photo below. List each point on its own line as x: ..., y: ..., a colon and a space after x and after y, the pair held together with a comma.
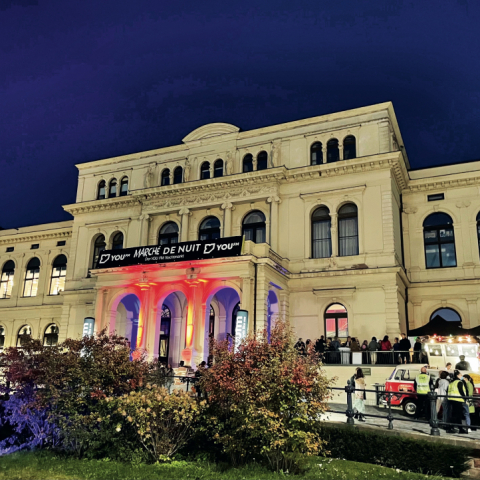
x: 410, y: 210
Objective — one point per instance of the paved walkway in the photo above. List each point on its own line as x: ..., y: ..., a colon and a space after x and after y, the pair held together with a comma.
x: 410, y: 426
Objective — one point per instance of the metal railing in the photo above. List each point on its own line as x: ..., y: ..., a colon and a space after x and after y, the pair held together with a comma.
x: 366, y: 357
x: 386, y: 398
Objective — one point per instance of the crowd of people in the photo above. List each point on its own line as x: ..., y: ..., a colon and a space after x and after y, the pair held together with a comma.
x: 373, y: 351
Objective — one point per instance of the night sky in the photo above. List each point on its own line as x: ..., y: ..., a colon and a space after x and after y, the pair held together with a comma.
x: 81, y: 81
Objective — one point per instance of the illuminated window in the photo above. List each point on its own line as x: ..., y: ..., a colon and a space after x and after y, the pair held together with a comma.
x: 59, y: 271
x: 336, y: 321
x: 316, y: 154
x: 209, y: 229
x: 24, y: 334
x: 439, y: 241
x: 205, y: 171
x: 124, y: 187
x: 178, y: 175
x: 248, y: 163
x: 50, y: 336
x: 2, y: 337
x: 349, y: 148
x: 321, y: 233
x: 348, y: 230
x: 112, y: 188
x: 168, y: 234
x: 31, y: 278
x: 165, y: 177
x: 218, y: 168
x: 254, y: 227
x: 262, y: 161
x: 333, y: 154
x: 117, y: 242
x: 101, y: 194
x: 164, y: 340
x: 6, y: 280
x: 98, y: 247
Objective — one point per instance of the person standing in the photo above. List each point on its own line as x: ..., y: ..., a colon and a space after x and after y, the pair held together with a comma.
x: 365, y: 356
x: 463, y: 364
x: 359, y: 402
x: 372, y: 348
x: 471, y: 404
x: 405, y: 347
x: 442, y: 400
x: 336, y: 345
x: 456, y: 399
x: 449, y: 369
x: 300, y: 347
x: 386, y: 347
x: 417, y: 350
x: 396, y: 352
x: 422, y: 384
x: 169, y: 373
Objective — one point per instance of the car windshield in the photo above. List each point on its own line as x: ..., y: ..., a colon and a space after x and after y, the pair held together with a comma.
x: 410, y: 374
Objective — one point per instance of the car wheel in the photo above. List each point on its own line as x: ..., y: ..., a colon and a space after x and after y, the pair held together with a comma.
x: 410, y: 407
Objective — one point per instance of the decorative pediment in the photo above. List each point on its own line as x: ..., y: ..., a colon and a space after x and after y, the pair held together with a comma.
x: 211, y: 130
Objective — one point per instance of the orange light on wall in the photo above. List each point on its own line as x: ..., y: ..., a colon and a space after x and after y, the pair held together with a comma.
x: 189, y: 328
x: 140, y: 329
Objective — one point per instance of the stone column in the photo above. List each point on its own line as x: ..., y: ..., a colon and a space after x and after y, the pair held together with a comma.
x: 144, y: 224
x: 340, y: 151
x: 184, y: 213
x: 193, y: 328
x: 284, y: 307
x: 143, y: 320
x: 334, y: 233
x: 274, y: 202
x: 211, y: 169
x: 392, y: 313
x: 151, y: 334
x: 227, y: 207
x: 254, y: 162
x: 472, y: 318
x: 246, y: 302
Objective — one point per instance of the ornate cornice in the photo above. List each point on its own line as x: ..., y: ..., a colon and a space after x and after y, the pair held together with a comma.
x: 33, y: 237
x: 102, y: 205
x: 430, y: 184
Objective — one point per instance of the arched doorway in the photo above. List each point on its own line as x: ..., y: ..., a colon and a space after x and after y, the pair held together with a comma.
x: 336, y: 321
x: 126, y: 320
x: 272, y: 311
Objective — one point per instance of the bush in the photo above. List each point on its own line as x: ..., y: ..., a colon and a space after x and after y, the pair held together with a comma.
x: 163, y: 422
x: 432, y: 458
x: 264, y: 398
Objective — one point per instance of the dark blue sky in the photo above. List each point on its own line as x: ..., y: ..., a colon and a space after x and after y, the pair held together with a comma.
x: 80, y: 81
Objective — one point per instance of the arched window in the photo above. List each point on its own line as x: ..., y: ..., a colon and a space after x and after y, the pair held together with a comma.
x: 333, y: 154
x: 101, y: 194
x: 50, y: 336
x: 316, y: 154
x: 447, y: 314
x: 168, y: 234
x: 478, y: 230
x: 178, y: 175
x: 31, y: 278
x: 439, y: 241
x: 348, y: 230
x: 112, y: 188
x: 124, y: 187
x: 336, y: 321
x: 164, y: 340
x: 24, y: 334
x: 253, y: 227
x: 98, y: 248
x: 59, y: 271
x: 248, y: 163
x: 205, y: 171
x: 349, y: 148
x: 165, y: 177
x: 2, y: 337
x: 6, y: 280
x: 321, y: 233
x: 218, y: 168
x: 209, y: 229
x: 262, y: 161
x: 117, y: 242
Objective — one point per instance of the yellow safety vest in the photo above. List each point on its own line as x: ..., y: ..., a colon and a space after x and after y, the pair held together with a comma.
x: 454, y: 392
x: 423, y: 384
x: 471, y: 406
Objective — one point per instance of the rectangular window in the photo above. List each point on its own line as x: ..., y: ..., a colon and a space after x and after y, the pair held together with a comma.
x: 448, y: 255
x: 10, y: 249
x: 435, y: 197
x: 31, y: 283
x: 432, y: 256
x: 348, y: 237
x: 6, y: 284
x: 322, y: 243
x: 331, y: 328
x: 34, y: 246
x: 61, y: 243
x: 58, y: 280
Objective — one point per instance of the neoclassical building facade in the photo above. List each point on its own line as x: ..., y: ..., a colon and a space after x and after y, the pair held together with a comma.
x: 341, y: 236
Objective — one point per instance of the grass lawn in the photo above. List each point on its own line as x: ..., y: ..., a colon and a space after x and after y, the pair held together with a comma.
x: 44, y: 466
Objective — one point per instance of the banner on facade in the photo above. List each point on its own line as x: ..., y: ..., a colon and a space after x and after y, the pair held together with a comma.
x: 177, y: 252
x: 88, y: 327
x: 241, y: 327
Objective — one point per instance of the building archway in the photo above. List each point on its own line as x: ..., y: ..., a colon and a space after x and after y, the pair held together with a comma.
x: 127, y: 319
x: 272, y: 311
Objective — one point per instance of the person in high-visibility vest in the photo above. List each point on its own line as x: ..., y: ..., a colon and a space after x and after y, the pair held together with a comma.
x: 456, y: 399
x: 422, y: 385
x: 471, y: 405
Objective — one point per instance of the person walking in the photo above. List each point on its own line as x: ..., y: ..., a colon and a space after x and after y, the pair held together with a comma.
x: 441, y: 388
x: 359, y: 403
x: 456, y: 399
x: 421, y: 385
x: 405, y: 347
x: 372, y: 348
x: 463, y: 364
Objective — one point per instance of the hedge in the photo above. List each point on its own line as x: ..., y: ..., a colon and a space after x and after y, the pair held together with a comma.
x: 420, y: 456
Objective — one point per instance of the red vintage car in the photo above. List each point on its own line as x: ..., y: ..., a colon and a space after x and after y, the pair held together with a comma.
x: 401, y: 384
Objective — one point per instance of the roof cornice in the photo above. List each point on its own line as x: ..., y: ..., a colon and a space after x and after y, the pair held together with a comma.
x: 34, y: 236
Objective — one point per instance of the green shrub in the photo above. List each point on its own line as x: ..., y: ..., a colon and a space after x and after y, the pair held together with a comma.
x: 432, y: 458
